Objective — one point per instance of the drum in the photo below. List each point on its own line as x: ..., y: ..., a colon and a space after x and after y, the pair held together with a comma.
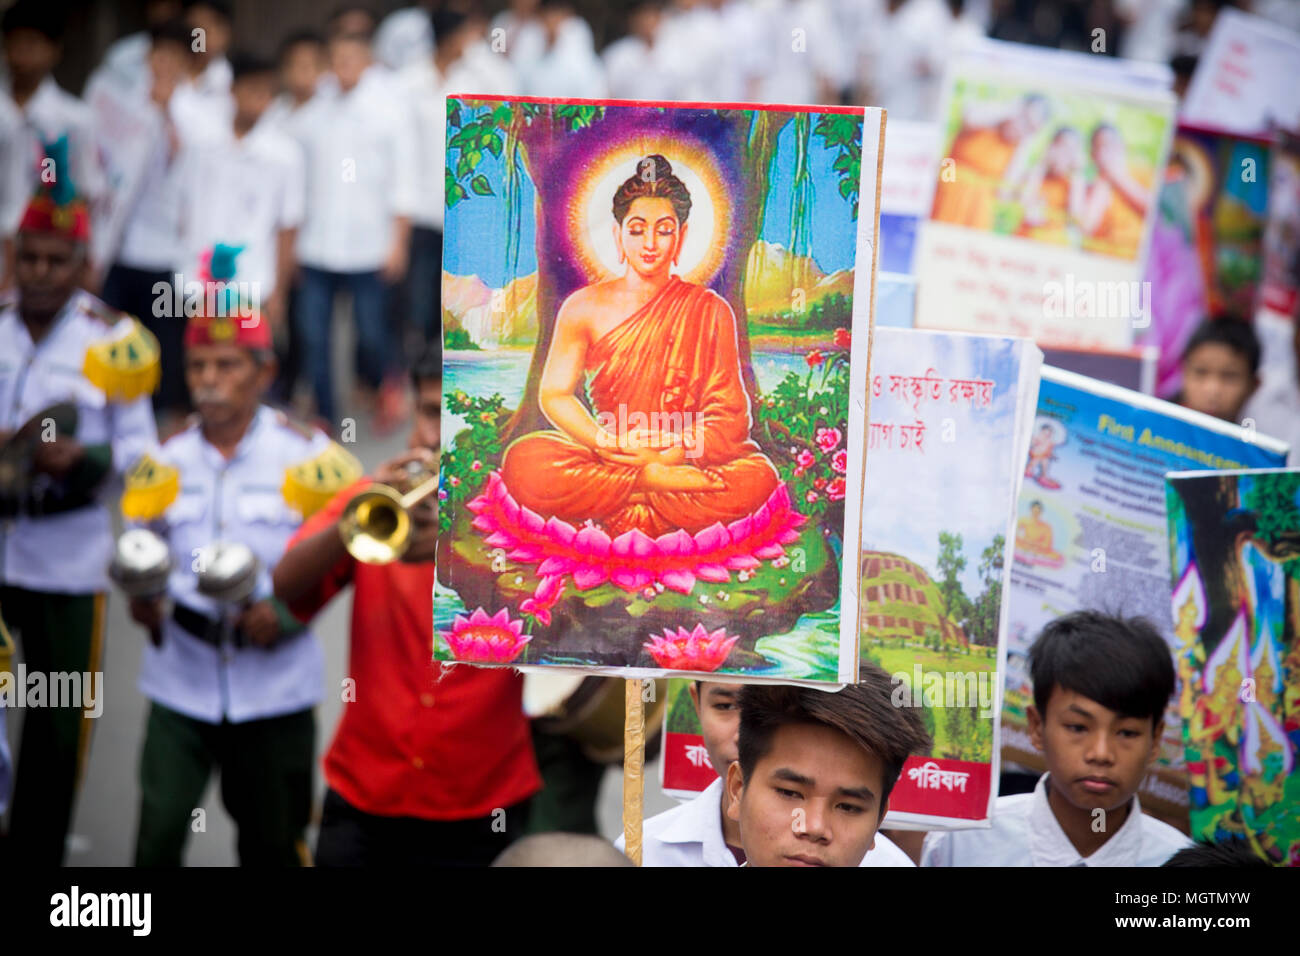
x: 589, y: 710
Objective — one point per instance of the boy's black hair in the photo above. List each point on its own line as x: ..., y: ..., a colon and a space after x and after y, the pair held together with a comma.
x: 333, y: 31
x: 220, y: 7
x: 1236, y: 334
x: 244, y: 64
x: 864, y: 712
x: 40, y: 15
x: 428, y: 367
x: 1228, y: 852
x: 175, y: 31
x: 1121, y: 663
x: 298, y: 38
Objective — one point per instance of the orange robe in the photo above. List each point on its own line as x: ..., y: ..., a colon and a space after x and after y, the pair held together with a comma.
x: 1120, y: 231
x: 981, y: 158
x: 1055, y: 192
x: 677, y: 354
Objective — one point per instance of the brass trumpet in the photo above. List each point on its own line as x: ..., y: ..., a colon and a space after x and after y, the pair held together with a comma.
x: 376, y: 524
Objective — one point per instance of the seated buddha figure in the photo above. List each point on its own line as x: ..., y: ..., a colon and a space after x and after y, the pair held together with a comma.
x: 1034, y: 537
x: 666, y: 444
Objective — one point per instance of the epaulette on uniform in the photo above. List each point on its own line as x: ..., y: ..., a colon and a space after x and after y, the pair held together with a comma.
x: 309, y: 485
x: 150, y: 487
x: 127, y: 362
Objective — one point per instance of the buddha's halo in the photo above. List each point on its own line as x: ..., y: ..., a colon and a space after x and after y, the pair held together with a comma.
x: 591, y: 214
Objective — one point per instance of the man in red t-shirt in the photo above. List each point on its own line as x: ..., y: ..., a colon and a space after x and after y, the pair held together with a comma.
x: 429, y: 766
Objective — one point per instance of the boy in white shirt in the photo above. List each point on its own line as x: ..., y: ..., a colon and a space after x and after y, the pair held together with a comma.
x: 699, y: 832
x: 814, y: 769
x: 359, y: 152
x: 1101, y: 685
x: 246, y: 190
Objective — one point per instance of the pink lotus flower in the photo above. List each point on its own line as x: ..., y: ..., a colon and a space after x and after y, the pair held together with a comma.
x: 835, y: 490
x: 805, y: 459
x: 828, y: 439
x: 840, y: 461
x: 691, y: 651
x: 814, y: 358
x: 543, y: 599
x: 633, y: 561
x: 843, y: 338
x: 486, y: 640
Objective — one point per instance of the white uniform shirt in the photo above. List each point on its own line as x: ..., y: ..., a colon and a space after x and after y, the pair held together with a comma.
x: 1025, y: 832
x: 68, y: 552
x: 236, y: 500
x: 240, y: 192
x: 691, y: 835
x: 568, y: 69
x: 50, y: 113
x: 404, y: 37
x: 426, y: 95
x: 203, y: 108
x: 635, y: 70
x: 360, y: 163
x: 13, y: 179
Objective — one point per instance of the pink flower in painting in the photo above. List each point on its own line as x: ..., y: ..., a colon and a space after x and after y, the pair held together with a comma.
x: 811, y: 497
x: 805, y: 459
x: 835, y: 490
x: 840, y: 461
x: 819, y: 483
x: 828, y: 439
x: 476, y: 465
x: 843, y: 338
x: 814, y: 358
x: 694, y: 650
x: 486, y: 640
x: 543, y: 599
x: 454, y: 481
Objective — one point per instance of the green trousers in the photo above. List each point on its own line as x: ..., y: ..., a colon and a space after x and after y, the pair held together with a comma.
x: 570, y: 786
x: 266, y: 785
x: 56, y: 634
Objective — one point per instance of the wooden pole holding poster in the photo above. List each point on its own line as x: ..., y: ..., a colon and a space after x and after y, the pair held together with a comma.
x: 633, y: 767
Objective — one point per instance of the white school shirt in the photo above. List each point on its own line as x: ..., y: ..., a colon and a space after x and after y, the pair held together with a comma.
x: 52, y: 112
x: 236, y: 500
x: 404, y: 37
x: 240, y: 192
x: 360, y: 171
x: 426, y: 95
x: 13, y: 181
x: 1025, y: 832
x: 691, y: 835
x: 569, y: 68
x: 203, y: 108
x: 68, y: 552
x: 635, y: 70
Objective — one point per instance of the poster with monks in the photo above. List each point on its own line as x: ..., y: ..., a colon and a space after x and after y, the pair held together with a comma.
x: 1234, y: 554
x: 1042, y: 204
x: 1090, y: 533
x: 949, y: 429
x: 654, y: 318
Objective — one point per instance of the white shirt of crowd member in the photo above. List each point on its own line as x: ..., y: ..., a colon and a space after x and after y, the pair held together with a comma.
x: 237, y: 500
x: 468, y: 66
x: 360, y: 157
x: 67, y: 552
x: 1025, y: 832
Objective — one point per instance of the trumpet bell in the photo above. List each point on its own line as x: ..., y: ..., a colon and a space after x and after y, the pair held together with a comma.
x: 375, y: 526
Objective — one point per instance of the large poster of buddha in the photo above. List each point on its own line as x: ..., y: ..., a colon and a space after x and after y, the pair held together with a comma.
x: 654, y: 317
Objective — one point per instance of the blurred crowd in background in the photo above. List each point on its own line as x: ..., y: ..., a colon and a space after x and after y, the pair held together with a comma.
x: 316, y: 172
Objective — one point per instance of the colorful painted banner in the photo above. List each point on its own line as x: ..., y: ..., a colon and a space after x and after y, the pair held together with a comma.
x: 1043, y: 201
x: 1090, y: 532
x: 1234, y: 554
x: 653, y: 465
